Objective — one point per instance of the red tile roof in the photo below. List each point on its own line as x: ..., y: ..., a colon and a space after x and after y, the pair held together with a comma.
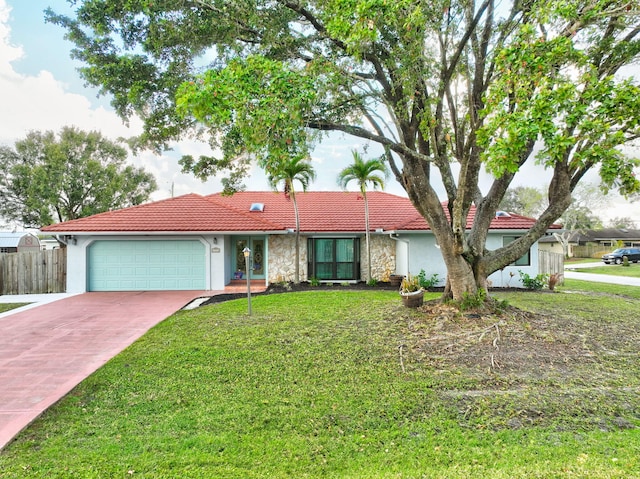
x: 184, y: 213
x: 319, y: 212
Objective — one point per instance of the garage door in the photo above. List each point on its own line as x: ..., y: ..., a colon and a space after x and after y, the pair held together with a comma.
x: 146, y: 265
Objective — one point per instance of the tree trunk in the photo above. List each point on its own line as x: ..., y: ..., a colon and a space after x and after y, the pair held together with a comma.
x: 297, y: 267
x: 367, y: 233
x: 461, y: 279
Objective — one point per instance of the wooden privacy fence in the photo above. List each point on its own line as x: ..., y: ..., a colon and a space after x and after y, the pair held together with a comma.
x: 550, y: 263
x: 33, y: 272
x: 592, y: 251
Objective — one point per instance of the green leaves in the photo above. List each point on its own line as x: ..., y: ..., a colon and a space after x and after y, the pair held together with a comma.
x: 47, y: 179
x: 555, y: 91
x: 364, y: 172
x: 258, y: 107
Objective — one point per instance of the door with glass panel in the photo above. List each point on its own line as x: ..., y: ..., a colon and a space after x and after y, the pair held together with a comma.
x: 257, y: 257
x: 334, y: 258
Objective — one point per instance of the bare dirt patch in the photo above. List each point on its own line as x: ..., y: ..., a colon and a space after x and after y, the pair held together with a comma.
x: 514, y: 368
x: 514, y: 343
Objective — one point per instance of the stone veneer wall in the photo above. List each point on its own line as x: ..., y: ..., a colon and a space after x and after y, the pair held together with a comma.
x: 282, y: 254
x: 383, y: 257
x: 282, y: 258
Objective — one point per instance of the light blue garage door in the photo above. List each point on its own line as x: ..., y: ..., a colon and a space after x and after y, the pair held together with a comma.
x: 146, y: 265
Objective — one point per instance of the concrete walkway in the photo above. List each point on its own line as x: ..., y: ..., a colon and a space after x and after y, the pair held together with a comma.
x: 48, y: 348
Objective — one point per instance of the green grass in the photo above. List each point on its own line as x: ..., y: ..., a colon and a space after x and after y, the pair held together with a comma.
x: 632, y: 271
x: 604, y: 288
x: 9, y: 306
x: 341, y: 384
x: 578, y: 261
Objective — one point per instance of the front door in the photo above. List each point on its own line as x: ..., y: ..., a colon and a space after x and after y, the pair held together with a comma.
x: 257, y: 257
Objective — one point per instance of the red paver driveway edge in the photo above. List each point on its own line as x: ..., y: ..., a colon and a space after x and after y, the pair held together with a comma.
x: 46, y: 351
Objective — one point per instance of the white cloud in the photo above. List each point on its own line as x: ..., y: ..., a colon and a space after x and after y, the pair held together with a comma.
x: 8, y: 52
x: 41, y: 102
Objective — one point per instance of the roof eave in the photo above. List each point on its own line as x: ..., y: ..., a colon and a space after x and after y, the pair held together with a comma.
x: 165, y: 233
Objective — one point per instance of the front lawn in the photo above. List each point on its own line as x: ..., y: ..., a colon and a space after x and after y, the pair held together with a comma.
x: 345, y: 384
x: 9, y: 306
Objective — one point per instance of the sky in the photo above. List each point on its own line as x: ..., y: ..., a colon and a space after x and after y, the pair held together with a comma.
x: 40, y: 89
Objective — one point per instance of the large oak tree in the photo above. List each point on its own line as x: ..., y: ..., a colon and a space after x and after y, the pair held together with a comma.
x: 46, y: 178
x: 447, y: 88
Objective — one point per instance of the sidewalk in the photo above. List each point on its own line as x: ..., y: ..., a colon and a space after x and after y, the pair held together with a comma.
x: 34, y: 300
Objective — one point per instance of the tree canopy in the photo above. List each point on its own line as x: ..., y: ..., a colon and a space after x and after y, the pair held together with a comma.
x: 524, y: 200
x: 622, y: 222
x: 579, y: 215
x: 447, y: 88
x: 47, y: 178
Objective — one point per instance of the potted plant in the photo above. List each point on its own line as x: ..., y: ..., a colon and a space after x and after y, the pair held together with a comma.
x: 396, y: 279
x: 411, y: 292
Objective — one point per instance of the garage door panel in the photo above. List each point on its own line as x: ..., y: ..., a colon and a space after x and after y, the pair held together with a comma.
x: 122, y: 265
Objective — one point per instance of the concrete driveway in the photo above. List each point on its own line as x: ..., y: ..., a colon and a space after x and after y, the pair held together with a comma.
x: 47, y: 350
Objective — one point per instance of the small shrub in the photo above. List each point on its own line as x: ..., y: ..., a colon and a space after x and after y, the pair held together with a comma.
x: 427, y: 283
x: 314, y: 282
x: 554, y: 279
x: 345, y: 283
x: 473, y: 301
x: 500, y: 306
x: 533, y: 283
x: 372, y: 282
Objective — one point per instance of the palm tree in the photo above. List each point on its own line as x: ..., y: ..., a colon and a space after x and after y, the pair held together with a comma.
x: 372, y: 172
x: 296, y: 169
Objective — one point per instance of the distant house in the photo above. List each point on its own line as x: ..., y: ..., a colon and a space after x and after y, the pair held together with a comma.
x: 587, y: 243
x: 196, y: 242
x: 12, y: 242
x: 607, y: 238
x: 550, y: 244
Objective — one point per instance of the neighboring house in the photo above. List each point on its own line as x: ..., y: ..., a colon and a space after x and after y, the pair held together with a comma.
x: 196, y: 242
x: 607, y: 238
x: 587, y: 243
x: 12, y: 242
x: 551, y: 244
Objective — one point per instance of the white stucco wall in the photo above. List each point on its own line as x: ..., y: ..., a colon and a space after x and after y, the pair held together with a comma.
x: 422, y: 253
x: 214, y: 258
x: 504, y: 278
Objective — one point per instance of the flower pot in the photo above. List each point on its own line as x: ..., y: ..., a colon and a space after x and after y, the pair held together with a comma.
x: 395, y: 280
x: 414, y: 299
